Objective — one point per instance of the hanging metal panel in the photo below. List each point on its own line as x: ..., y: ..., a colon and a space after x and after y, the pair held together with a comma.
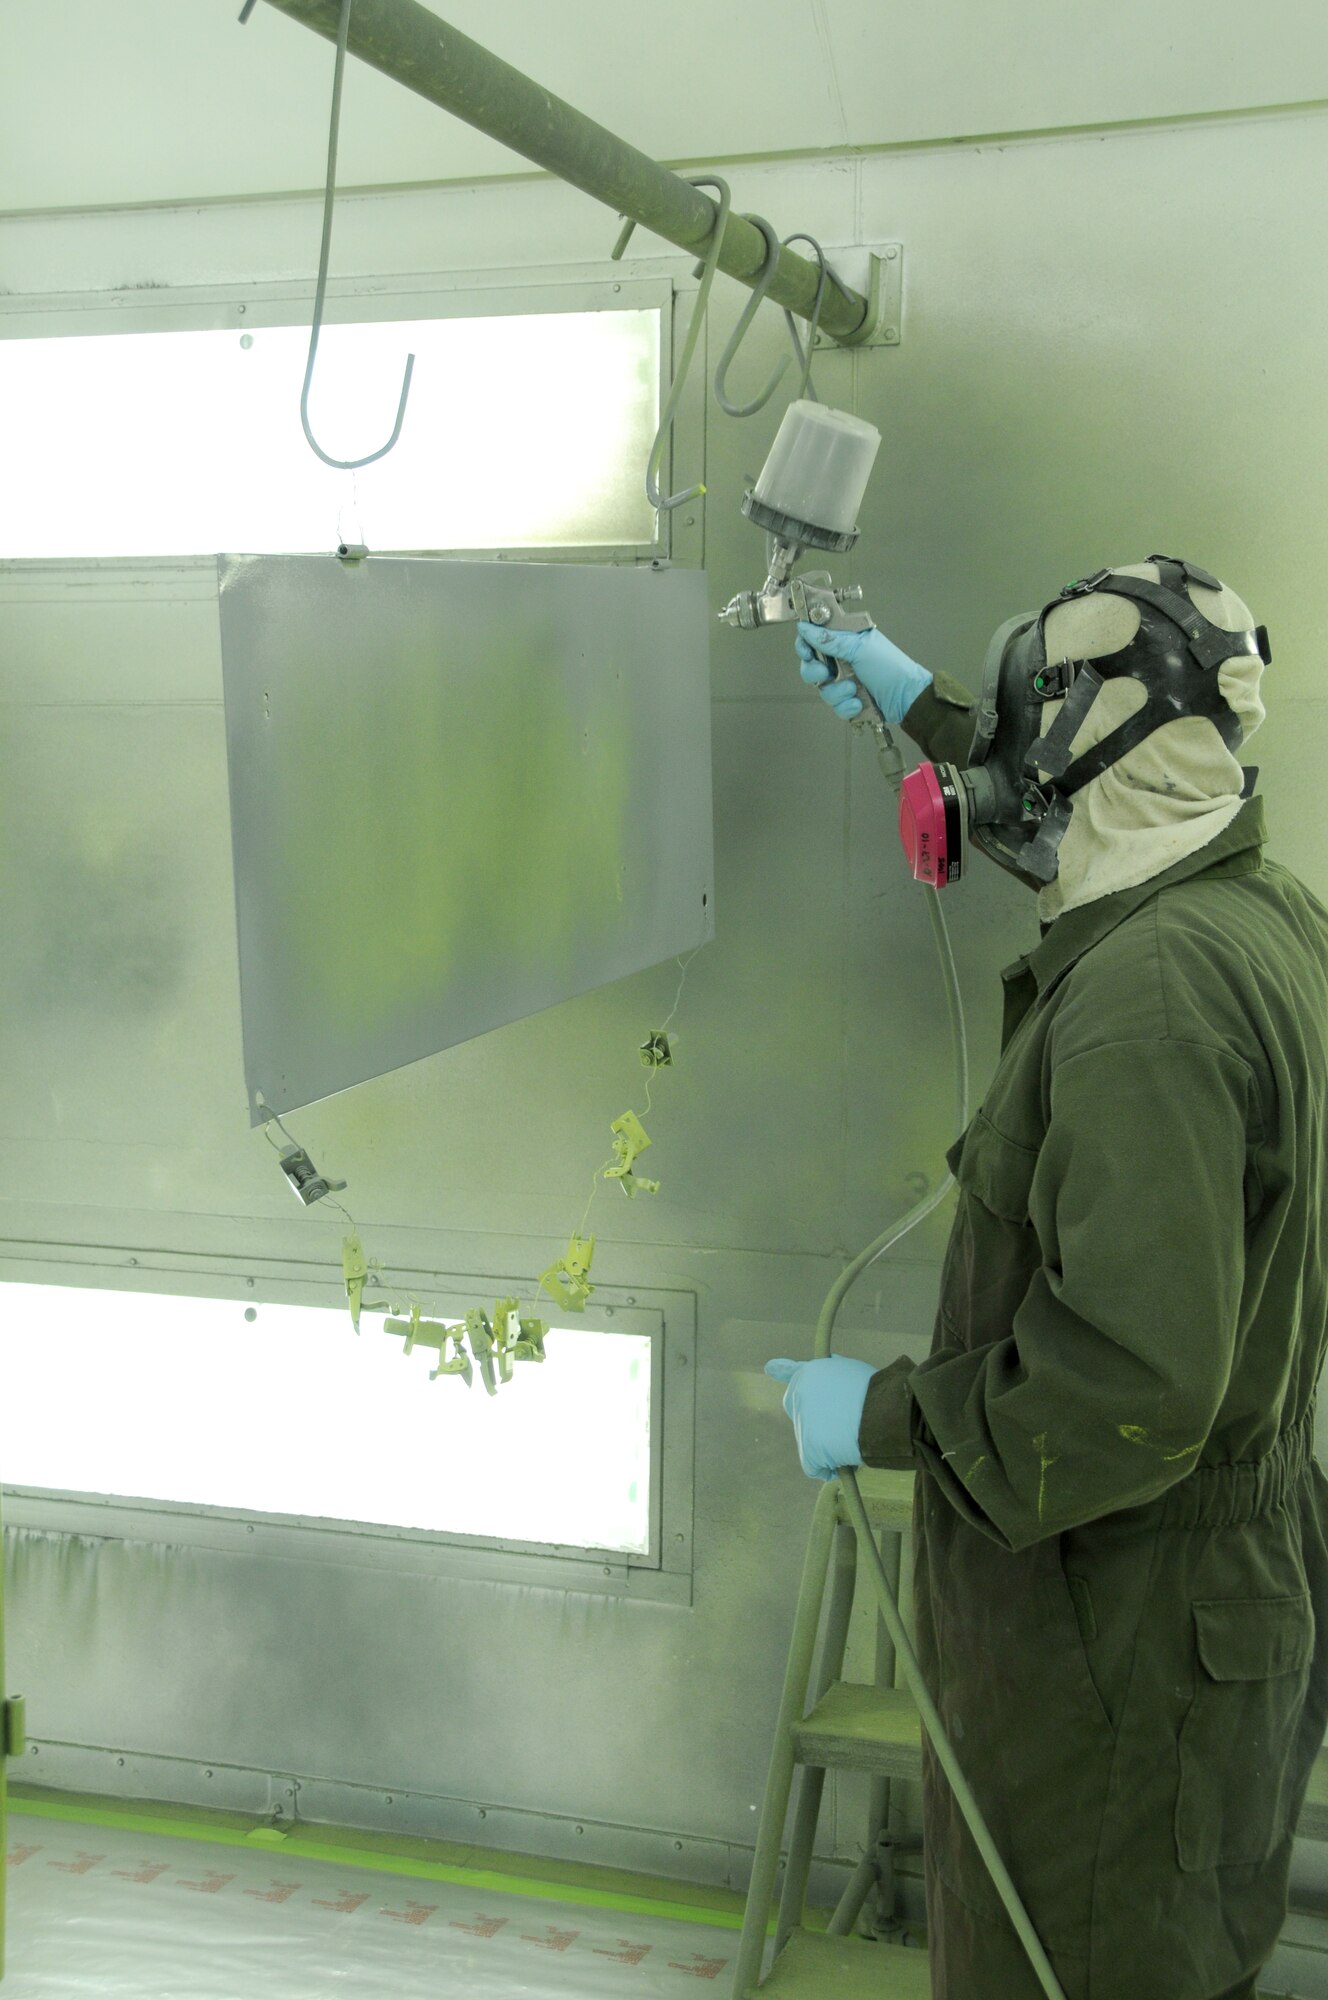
x: 460, y: 792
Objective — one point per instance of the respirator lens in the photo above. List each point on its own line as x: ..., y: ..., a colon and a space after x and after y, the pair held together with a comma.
x: 933, y: 823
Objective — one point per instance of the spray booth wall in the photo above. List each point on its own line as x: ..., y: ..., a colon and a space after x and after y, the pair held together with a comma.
x: 1111, y: 344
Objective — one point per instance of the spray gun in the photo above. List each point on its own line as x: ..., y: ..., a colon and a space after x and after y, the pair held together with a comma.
x: 808, y: 496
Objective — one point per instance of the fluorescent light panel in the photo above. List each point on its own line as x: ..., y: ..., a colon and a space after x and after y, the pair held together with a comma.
x: 148, y: 1396
x: 522, y: 431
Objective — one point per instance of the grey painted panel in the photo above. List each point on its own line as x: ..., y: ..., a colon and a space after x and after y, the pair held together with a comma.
x: 460, y: 793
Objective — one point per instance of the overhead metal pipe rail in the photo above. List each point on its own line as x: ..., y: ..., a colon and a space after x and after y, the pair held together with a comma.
x: 416, y: 48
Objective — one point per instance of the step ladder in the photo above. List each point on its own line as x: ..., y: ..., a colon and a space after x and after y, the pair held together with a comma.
x: 826, y: 1723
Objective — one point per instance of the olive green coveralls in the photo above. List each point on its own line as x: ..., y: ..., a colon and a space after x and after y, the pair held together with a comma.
x: 1121, y: 1528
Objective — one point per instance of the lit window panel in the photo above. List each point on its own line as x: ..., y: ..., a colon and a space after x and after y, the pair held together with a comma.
x: 521, y: 431
x: 283, y: 1410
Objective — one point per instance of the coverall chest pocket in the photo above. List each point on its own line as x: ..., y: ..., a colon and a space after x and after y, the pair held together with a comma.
x: 993, y: 1250
x: 1237, y: 1740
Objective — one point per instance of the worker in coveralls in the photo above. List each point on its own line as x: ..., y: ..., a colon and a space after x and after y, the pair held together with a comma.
x: 1121, y: 1527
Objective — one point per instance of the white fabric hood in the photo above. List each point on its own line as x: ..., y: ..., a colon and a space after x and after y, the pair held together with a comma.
x: 1176, y: 790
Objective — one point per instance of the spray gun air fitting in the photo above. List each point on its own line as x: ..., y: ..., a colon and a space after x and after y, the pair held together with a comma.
x: 808, y: 496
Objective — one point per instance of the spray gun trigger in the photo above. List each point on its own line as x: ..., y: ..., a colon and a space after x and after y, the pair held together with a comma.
x: 870, y: 716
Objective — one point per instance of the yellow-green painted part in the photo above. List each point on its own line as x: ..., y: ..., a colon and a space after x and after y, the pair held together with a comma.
x: 420, y: 1332
x: 494, y: 1339
x: 568, y: 1281
x: 629, y: 1142
x: 355, y: 1269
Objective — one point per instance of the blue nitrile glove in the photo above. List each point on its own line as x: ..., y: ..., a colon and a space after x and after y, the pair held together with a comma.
x: 825, y: 1400
x: 892, y: 680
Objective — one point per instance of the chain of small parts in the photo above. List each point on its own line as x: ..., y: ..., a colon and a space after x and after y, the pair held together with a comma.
x: 531, y: 1296
x: 597, y: 1176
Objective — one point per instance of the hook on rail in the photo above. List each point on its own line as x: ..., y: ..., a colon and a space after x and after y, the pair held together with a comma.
x: 805, y: 387
x: 708, y: 270
x: 340, y: 464
x: 773, y: 247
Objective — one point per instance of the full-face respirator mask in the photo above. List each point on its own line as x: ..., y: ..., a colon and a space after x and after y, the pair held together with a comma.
x: 1014, y: 798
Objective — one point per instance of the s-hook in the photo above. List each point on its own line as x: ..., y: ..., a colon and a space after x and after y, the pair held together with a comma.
x: 805, y: 386
x: 708, y: 270
x: 749, y: 311
x: 340, y: 464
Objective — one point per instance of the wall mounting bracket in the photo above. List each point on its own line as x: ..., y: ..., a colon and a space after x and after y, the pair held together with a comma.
x: 884, y: 322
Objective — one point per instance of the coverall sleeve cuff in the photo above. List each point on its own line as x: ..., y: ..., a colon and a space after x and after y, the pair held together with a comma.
x: 942, y: 720
x: 885, y: 1434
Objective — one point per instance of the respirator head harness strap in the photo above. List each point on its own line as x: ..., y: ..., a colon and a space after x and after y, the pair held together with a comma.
x: 1178, y: 679
x: 1016, y: 795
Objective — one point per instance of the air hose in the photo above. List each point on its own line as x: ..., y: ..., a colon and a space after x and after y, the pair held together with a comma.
x: 892, y: 764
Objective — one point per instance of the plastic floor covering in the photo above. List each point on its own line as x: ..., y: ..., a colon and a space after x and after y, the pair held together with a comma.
x: 127, y: 1915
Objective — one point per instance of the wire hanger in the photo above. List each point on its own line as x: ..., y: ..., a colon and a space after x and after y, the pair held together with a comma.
x: 708, y: 270
x: 759, y: 290
x: 805, y: 387
x: 340, y: 464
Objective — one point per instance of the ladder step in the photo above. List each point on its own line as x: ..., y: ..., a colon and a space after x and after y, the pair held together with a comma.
x: 878, y: 1730
x: 813, y: 1966
x: 887, y: 1496
x: 856, y: 1728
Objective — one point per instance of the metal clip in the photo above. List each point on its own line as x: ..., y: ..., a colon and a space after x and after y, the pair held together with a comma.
x: 304, y: 1176
x: 1086, y: 583
x: 1036, y: 801
x: 1051, y: 682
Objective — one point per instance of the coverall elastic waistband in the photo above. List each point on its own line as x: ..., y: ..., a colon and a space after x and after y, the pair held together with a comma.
x: 1228, y: 1496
